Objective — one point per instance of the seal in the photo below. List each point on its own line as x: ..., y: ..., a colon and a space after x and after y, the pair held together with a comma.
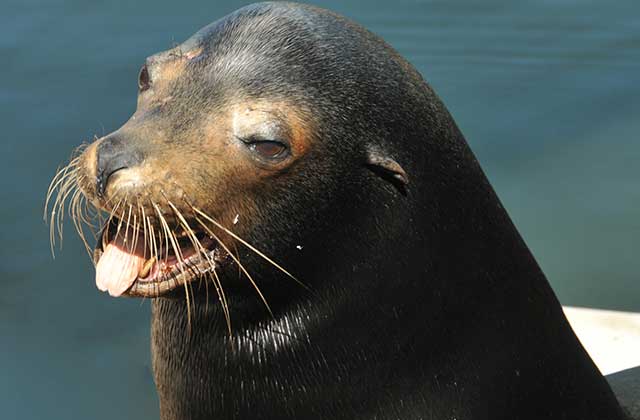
x: 319, y: 240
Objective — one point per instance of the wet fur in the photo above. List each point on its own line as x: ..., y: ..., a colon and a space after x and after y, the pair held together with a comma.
x: 424, y: 303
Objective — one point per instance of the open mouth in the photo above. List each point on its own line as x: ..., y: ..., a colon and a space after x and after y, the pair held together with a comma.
x: 144, y: 264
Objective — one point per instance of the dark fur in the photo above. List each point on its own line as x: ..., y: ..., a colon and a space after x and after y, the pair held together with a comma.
x: 425, y: 303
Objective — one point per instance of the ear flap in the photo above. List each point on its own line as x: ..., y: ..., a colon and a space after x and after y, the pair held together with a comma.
x: 387, y: 168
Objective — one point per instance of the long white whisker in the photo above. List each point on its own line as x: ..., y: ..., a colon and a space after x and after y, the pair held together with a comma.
x: 248, y: 245
x: 246, y: 273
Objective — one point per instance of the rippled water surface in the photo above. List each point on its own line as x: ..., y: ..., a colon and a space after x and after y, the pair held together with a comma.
x: 546, y: 92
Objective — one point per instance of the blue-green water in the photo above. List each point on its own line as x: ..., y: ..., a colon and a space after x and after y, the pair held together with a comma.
x: 546, y: 92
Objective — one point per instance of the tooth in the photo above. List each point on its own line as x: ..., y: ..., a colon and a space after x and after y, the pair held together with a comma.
x: 146, y: 268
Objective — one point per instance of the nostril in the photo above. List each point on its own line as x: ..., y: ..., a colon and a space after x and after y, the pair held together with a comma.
x: 113, y: 155
x: 103, y: 178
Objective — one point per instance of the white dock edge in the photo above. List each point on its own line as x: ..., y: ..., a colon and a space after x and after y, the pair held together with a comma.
x: 612, y: 338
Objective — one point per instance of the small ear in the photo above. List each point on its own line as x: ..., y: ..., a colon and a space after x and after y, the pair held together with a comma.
x: 387, y: 168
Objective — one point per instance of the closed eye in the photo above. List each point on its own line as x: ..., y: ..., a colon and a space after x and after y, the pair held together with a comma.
x: 267, y: 149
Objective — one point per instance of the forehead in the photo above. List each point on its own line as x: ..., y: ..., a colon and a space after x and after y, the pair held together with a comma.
x: 263, y: 63
x: 269, y: 39
x: 266, y: 118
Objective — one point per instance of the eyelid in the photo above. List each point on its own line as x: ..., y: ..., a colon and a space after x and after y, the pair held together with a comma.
x: 252, y: 141
x: 258, y: 139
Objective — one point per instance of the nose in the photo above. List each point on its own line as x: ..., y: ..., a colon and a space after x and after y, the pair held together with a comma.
x: 113, y: 154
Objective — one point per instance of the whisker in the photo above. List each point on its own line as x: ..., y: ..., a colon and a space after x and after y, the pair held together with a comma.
x: 217, y: 283
x: 147, y: 240
x: 120, y: 220
x: 163, y: 246
x: 107, y: 224
x: 236, y: 261
x: 178, y: 252
x: 77, y: 219
x: 64, y: 185
x: 112, y: 214
x: 57, y: 213
x: 127, y: 229
x: 153, y: 243
x: 136, y: 233
x: 203, y: 252
x: 248, y: 245
x: 85, y: 218
x: 58, y: 178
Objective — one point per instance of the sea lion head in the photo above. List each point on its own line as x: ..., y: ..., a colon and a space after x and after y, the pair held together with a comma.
x: 276, y: 140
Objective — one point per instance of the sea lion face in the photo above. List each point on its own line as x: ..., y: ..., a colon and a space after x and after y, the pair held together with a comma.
x: 229, y: 127
x: 185, y: 169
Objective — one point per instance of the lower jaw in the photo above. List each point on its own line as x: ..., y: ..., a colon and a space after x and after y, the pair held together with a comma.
x: 157, y: 288
x: 161, y: 287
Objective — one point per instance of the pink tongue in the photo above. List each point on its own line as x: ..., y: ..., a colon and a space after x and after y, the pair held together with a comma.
x: 117, y: 269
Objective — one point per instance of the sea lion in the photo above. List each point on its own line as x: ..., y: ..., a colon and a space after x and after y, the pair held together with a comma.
x: 319, y: 238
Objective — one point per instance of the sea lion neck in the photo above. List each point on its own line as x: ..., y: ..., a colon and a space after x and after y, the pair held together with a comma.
x: 359, y: 318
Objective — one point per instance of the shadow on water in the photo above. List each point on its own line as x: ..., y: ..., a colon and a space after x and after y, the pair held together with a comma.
x: 547, y: 93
